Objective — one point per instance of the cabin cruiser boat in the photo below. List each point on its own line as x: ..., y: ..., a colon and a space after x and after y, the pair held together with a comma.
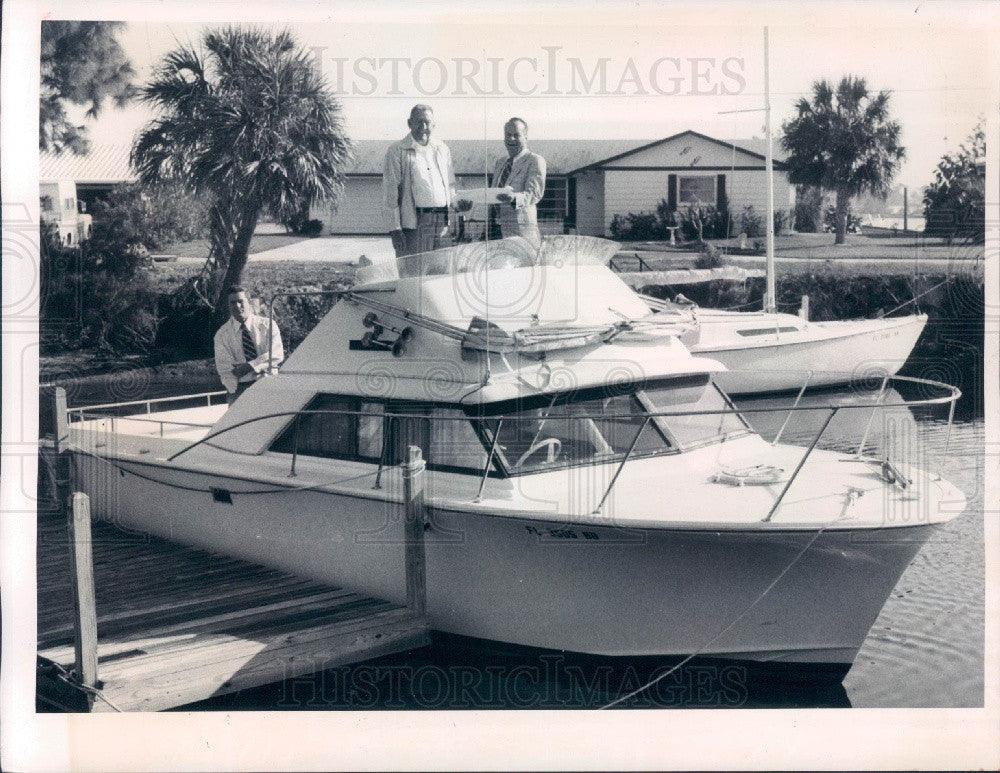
x: 588, y: 488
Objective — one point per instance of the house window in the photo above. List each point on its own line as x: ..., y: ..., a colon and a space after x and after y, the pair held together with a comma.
x: 69, y: 204
x: 46, y: 202
x: 698, y: 189
x: 553, y: 206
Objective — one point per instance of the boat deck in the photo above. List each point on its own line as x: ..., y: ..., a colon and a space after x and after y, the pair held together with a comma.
x: 177, y: 625
x: 187, y: 424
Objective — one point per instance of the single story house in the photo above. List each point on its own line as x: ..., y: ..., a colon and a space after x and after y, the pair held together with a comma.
x: 588, y: 181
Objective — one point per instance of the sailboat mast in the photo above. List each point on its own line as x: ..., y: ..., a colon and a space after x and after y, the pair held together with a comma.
x: 769, y: 301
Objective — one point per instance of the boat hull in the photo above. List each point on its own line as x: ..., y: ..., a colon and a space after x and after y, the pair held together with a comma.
x: 760, y: 594
x: 829, y: 353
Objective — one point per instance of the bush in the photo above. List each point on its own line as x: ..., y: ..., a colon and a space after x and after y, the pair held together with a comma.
x: 709, y: 257
x: 780, y: 220
x: 699, y: 222
x: 830, y: 221
x: 135, y: 220
x: 808, y: 213
x: 638, y: 227
x: 312, y: 228
x: 84, y: 305
x: 750, y: 223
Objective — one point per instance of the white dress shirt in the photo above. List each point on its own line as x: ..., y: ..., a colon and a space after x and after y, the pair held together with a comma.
x: 229, y: 350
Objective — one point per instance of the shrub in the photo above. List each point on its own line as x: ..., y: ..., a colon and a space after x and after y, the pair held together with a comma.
x: 709, y: 257
x: 780, y: 220
x: 830, y: 221
x: 85, y: 305
x: 312, y: 228
x: 808, y: 214
x: 134, y: 220
x: 750, y: 223
x: 638, y: 227
x: 699, y: 222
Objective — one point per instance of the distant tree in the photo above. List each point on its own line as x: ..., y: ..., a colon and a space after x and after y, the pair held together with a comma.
x: 249, y: 122
x: 134, y: 220
x: 843, y: 141
x: 82, y: 64
x: 955, y: 204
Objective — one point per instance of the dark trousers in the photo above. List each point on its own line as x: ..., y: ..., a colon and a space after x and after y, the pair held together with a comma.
x: 241, y: 387
x: 431, y: 233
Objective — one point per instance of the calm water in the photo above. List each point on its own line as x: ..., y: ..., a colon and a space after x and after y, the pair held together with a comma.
x: 925, y: 649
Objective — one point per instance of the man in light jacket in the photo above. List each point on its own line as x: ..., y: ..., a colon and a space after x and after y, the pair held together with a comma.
x: 524, y: 173
x: 418, y: 187
x: 247, y: 348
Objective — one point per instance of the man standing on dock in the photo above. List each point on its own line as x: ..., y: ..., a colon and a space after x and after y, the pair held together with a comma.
x: 524, y: 173
x: 247, y: 348
x: 418, y: 187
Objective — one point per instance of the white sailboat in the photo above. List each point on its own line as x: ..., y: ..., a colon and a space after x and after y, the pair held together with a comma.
x: 588, y: 487
x: 788, y: 350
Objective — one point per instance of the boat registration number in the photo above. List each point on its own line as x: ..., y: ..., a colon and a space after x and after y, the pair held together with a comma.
x: 561, y: 533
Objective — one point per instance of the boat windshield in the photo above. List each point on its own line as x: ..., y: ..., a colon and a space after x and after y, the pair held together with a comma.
x: 513, y: 252
x: 578, y: 429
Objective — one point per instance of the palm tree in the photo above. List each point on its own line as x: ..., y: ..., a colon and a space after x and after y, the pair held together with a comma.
x: 249, y: 123
x: 845, y: 142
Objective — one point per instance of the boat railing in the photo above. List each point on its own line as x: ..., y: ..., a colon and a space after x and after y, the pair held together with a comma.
x: 947, y: 395
x: 76, y: 414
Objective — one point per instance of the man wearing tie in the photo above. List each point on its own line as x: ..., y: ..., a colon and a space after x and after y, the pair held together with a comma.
x: 524, y: 173
x: 247, y: 347
x: 418, y: 186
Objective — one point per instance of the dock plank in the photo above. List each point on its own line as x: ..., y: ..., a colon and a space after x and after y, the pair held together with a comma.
x: 177, y: 625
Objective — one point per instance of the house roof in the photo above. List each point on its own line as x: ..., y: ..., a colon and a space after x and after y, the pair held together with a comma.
x: 103, y: 164
x: 110, y: 163
x: 753, y: 147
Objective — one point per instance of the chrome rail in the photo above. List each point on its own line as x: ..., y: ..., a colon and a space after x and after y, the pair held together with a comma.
x: 798, y: 399
x: 148, y: 403
x: 950, y: 396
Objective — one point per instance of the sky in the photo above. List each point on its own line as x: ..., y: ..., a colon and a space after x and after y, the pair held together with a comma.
x: 665, y: 67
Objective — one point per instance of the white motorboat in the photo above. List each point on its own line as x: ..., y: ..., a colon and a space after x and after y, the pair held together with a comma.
x: 588, y: 486
x: 775, y: 352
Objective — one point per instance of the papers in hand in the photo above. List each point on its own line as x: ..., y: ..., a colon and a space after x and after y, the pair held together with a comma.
x: 480, y: 197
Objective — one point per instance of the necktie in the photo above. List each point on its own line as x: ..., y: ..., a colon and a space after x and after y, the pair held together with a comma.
x: 505, y: 173
x: 249, y: 348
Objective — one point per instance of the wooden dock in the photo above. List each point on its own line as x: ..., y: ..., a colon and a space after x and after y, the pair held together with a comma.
x: 176, y: 625
x: 130, y: 622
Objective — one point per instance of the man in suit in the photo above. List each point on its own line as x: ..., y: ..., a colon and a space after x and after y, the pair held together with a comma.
x: 524, y: 173
x: 247, y: 348
x: 418, y: 187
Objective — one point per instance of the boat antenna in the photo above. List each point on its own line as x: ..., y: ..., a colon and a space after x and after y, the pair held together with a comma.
x: 769, y: 302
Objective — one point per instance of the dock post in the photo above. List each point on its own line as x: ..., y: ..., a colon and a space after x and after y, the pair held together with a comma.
x: 413, y: 529
x: 52, y: 423
x: 76, y: 508
x: 84, y: 602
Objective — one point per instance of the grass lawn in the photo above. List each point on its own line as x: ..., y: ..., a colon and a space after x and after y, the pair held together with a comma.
x: 200, y: 247
x: 262, y: 278
x: 821, y: 246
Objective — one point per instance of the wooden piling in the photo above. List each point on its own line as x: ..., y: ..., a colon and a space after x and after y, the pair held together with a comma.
x: 413, y: 529
x: 84, y: 599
